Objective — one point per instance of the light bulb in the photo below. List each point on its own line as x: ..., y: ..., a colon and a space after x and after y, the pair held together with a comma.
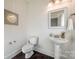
x: 57, y: 1
x: 50, y: 6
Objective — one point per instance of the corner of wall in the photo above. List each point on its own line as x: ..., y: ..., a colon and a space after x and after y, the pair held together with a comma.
x: 46, y: 52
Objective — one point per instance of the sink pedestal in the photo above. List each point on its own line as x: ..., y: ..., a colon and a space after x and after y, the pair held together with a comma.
x: 57, y: 51
x: 58, y: 42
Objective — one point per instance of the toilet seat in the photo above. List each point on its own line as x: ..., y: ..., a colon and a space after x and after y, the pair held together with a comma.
x: 27, y: 48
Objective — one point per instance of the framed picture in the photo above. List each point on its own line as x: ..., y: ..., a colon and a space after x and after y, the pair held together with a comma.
x: 10, y: 17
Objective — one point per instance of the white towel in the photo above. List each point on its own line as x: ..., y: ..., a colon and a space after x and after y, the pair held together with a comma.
x: 70, y: 25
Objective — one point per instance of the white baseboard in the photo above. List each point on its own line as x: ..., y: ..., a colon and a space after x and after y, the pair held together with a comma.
x: 14, y: 53
x: 46, y: 52
x: 49, y: 53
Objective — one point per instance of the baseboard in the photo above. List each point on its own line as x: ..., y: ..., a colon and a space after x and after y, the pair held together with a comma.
x: 11, y: 55
x: 46, y: 52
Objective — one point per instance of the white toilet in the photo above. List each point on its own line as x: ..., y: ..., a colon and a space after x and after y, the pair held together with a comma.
x: 30, y: 46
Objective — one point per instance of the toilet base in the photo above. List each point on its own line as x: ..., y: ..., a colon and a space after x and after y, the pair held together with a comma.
x: 28, y: 55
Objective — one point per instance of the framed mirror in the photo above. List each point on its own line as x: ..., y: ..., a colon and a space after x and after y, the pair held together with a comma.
x: 57, y: 18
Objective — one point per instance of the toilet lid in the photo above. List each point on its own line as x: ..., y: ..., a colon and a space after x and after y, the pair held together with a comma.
x: 33, y: 40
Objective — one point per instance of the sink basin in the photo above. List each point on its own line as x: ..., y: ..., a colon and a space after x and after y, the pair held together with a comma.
x: 58, y: 40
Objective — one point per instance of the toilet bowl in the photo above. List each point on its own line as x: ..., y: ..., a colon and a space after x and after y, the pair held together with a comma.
x: 30, y: 46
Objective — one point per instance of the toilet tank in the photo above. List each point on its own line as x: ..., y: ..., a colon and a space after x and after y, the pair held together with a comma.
x: 33, y: 40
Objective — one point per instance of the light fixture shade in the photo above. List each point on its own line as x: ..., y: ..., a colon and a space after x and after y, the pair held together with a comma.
x: 50, y: 6
x: 57, y: 1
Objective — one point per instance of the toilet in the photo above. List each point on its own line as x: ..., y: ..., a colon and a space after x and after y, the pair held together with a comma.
x: 30, y: 46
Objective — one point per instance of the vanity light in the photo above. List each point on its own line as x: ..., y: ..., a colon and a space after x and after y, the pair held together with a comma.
x: 52, y: 3
x: 55, y: 1
x: 50, y: 6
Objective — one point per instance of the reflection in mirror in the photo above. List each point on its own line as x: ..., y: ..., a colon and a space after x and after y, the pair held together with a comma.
x: 57, y: 18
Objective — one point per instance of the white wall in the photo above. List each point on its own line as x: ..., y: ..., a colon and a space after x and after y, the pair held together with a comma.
x: 37, y: 24
x: 15, y: 32
x: 33, y: 20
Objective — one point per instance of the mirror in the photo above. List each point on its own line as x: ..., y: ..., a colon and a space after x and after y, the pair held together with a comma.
x: 57, y: 18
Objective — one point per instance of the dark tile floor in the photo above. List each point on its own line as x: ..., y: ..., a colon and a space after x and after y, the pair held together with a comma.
x: 36, y: 55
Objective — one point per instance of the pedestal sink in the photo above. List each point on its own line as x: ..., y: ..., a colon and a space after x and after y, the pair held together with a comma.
x: 58, y: 42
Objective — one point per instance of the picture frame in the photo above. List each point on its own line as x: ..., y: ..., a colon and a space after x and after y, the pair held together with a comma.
x: 10, y: 18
